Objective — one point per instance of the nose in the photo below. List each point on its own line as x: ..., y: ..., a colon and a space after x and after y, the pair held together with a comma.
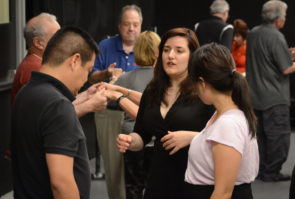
x: 171, y: 54
x: 131, y: 27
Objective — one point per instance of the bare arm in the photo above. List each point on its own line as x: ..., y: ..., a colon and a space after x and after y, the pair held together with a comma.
x: 289, y: 70
x: 101, y: 76
x: 61, y: 174
x: 133, y: 95
x: 227, y: 162
x: 132, y: 142
x: 127, y: 105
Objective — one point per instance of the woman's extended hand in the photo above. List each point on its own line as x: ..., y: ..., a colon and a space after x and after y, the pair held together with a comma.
x: 108, y: 86
x: 177, y: 140
x: 112, y: 95
x: 123, y: 142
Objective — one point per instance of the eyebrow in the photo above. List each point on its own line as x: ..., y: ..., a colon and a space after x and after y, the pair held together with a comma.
x: 178, y: 47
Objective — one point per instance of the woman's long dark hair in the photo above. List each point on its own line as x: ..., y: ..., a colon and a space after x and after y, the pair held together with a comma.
x: 160, y: 83
x: 214, y: 63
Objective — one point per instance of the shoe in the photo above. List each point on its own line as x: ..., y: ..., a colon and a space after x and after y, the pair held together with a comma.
x: 98, y: 176
x: 278, y: 178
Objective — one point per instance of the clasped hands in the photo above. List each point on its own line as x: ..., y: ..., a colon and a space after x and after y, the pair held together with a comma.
x: 110, y: 91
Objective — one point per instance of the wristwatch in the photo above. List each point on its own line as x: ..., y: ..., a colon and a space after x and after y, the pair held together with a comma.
x: 119, y: 98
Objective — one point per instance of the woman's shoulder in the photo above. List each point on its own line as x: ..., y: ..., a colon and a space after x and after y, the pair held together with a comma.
x: 233, y: 119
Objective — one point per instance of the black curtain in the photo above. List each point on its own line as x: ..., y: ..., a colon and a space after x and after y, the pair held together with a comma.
x: 98, y: 17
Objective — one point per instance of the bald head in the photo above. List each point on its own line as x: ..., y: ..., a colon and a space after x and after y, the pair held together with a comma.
x: 41, y: 27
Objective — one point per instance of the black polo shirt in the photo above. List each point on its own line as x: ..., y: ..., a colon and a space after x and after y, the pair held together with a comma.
x: 44, y: 121
x: 214, y: 29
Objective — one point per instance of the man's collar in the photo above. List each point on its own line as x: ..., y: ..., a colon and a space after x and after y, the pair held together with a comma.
x: 42, y: 77
x: 118, y: 43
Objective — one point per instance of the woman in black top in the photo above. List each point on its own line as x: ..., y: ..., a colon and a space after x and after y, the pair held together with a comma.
x: 171, y: 111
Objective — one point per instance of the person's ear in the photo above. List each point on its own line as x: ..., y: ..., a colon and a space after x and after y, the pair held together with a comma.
x: 75, y: 61
x: 278, y: 23
x: 119, y: 26
x: 156, y: 58
x: 202, y: 82
x: 38, y: 43
x: 157, y: 54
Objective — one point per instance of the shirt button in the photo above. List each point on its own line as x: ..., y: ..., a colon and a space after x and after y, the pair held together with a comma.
x: 126, y: 57
x: 128, y: 63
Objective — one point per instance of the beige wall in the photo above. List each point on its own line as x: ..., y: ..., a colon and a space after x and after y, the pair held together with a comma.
x: 4, y: 11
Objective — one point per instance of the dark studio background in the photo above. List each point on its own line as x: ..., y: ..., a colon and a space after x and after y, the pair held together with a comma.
x: 99, y: 18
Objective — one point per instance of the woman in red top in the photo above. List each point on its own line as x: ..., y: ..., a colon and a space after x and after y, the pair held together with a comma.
x: 239, y: 44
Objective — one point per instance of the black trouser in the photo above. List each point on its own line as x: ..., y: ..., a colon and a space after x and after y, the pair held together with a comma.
x: 137, y: 169
x: 134, y: 174
x: 243, y: 191
x: 292, y: 186
x: 273, y: 132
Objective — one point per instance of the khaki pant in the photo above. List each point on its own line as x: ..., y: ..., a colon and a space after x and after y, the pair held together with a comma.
x: 108, y: 126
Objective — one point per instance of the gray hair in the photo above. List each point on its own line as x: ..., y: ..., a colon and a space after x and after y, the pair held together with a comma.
x: 219, y: 6
x: 130, y: 7
x: 272, y: 10
x: 35, y: 27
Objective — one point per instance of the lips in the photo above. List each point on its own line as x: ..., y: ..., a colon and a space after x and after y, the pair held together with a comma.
x: 170, y: 64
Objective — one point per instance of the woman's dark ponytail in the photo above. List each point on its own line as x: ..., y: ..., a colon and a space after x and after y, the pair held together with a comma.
x: 241, y: 97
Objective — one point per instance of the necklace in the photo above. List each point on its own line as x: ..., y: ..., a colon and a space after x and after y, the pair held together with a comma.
x: 171, y: 96
x: 172, y: 91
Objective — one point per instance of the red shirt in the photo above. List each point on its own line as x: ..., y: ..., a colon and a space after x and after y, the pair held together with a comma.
x: 23, y: 74
x: 239, y: 55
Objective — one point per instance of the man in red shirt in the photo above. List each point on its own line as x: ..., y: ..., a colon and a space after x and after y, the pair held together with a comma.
x: 37, y: 33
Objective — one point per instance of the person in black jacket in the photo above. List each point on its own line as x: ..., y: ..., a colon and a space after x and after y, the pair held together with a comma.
x: 215, y: 29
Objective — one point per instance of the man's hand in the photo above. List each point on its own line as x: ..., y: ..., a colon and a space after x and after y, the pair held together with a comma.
x: 115, y: 72
x: 292, y: 51
x: 85, y: 95
x: 110, y: 72
x: 111, y: 67
x: 97, y: 101
x: 92, y: 89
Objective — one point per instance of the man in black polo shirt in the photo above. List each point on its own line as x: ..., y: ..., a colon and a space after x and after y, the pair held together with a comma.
x: 215, y: 28
x: 49, y: 155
